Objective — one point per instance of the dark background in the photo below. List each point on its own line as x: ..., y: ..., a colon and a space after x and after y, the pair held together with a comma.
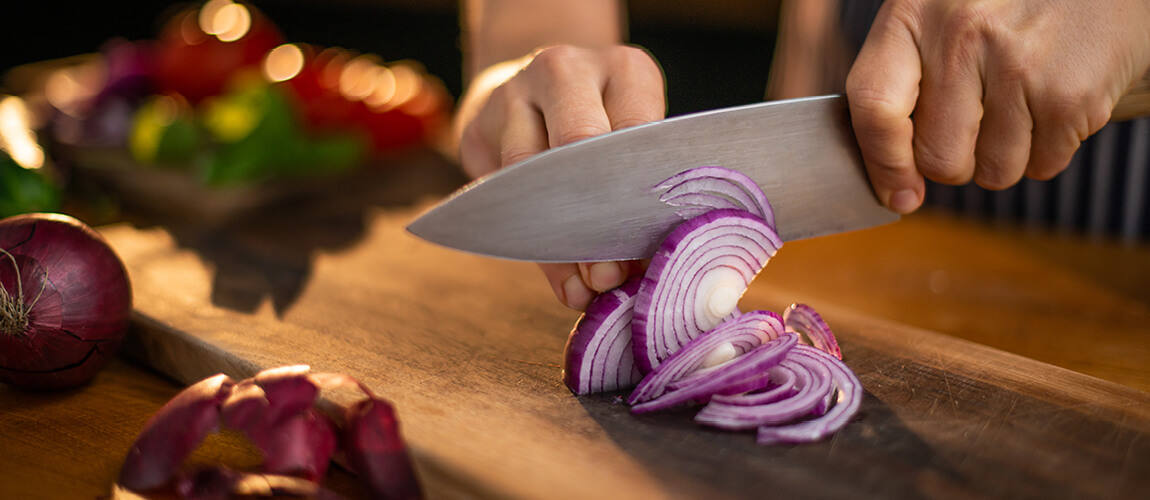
x: 713, y: 53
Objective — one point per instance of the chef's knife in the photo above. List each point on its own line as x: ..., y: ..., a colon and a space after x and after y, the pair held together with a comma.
x: 593, y: 200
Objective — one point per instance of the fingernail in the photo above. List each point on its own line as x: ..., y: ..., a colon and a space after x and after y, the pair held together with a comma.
x: 576, y: 295
x: 904, y: 201
x: 605, y: 276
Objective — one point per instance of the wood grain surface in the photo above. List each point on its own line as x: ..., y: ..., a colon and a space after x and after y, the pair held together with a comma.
x: 469, y: 350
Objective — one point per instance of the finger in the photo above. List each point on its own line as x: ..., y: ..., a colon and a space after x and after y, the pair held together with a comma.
x: 1004, y: 136
x: 524, y: 134
x: 569, y: 95
x: 479, y: 144
x: 635, y: 93
x: 1052, y: 147
x: 476, y: 155
x: 1060, y: 125
x: 948, y: 112
x: 567, y: 283
x: 882, y: 88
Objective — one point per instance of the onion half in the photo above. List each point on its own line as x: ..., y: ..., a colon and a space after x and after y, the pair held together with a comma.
x: 695, y: 280
x: 598, y: 356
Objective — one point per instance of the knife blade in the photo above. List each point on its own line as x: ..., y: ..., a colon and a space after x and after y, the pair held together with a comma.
x: 593, y: 200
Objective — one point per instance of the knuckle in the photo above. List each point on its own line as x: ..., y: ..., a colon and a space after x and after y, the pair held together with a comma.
x: 617, y: 124
x: 635, y: 60
x: 554, y: 60
x: 994, y: 176
x: 872, y: 106
x: 577, y: 129
x: 1046, y: 171
x: 512, y: 155
x: 939, y: 165
x: 1076, y: 115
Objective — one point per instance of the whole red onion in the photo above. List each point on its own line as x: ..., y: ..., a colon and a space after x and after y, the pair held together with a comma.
x: 65, y: 301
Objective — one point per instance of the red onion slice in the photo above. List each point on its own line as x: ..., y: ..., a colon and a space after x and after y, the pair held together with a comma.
x: 807, y: 401
x: 174, y: 432
x: 274, y: 409
x: 702, y: 189
x: 710, y: 351
x: 756, y: 361
x: 377, y: 451
x: 784, y: 382
x: 803, y: 320
x: 849, y: 400
x: 598, y: 356
x: 695, y: 280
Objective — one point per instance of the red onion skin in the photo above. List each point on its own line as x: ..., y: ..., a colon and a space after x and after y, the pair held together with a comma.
x: 376, y: 451
x: 174, y: 432
x: 300, y: 446
x: 275, y: 410
x: 79, y: 300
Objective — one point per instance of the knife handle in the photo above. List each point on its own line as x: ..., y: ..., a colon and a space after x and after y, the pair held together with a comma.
x: 1135, y: 103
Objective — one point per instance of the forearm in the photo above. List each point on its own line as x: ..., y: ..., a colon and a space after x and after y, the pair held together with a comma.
x: 498, y: 30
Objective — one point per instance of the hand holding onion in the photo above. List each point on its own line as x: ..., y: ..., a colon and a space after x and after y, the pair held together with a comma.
x: 65, y: 301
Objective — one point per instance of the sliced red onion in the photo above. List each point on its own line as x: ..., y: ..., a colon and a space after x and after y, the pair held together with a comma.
x: 276, y: 410
x: 757, y: 360
x: 376, y: 450
x: 805, y: 402
x: 695, y: 280
x: 702, y: 189
x: 598, y: 356
x: 173, y: 433
x: 849, y: 399
x: 272, y: 396
x: 784, y: 382
x: 300, y: 446
x: 290, y: 390
x: 710, y: 350
x: 803, y: 320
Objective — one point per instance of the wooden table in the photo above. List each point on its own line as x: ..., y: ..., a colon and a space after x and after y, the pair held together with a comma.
x: 1080, y: 305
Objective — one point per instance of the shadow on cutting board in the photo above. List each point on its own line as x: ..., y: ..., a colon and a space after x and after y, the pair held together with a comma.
x: 268, y: 253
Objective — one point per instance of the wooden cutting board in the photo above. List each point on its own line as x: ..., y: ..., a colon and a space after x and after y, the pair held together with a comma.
x: 469, y: 350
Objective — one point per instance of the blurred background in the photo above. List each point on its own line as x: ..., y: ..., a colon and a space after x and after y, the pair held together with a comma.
x: 699, y: 43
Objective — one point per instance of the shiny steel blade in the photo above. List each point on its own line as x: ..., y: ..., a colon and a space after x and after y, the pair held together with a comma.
x: 593, y: 200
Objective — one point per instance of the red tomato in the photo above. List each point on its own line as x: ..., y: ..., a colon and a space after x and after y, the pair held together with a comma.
x: 197, y: 65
